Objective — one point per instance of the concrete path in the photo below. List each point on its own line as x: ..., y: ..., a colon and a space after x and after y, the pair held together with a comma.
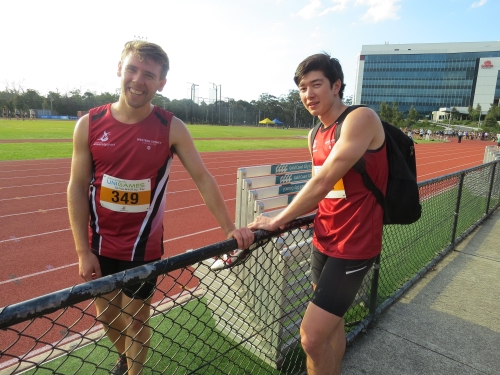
x: 448, y: 323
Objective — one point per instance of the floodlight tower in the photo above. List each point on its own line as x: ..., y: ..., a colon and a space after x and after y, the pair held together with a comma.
x: 220, y: 95
x: 193, y: 95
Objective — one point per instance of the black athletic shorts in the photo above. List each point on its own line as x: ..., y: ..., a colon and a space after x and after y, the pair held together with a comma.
x: 337, y: 281
x: 142, y: 290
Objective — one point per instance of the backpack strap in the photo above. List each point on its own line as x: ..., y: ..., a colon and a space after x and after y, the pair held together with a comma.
x: 312, y: 135
x: 339, y: 122
x: 341, y: 118
x: 370, y: 185
x: 360, y: 165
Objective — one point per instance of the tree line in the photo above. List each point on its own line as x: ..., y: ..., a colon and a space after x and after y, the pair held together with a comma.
x: 286, y: 108
x: 489, y: 122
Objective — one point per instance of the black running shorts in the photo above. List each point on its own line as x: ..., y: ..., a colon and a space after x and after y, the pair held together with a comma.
x: 142, y: 290
x: 337, y: 281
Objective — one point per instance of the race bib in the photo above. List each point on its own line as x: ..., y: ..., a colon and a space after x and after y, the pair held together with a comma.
x: 338, y: 189
x: 125, y: 195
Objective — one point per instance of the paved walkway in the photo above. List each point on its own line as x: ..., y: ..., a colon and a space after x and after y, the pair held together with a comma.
x: 448, y: 323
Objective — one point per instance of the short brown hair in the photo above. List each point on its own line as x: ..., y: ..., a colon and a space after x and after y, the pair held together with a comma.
x: 323, y: 62
x: 145, y: 50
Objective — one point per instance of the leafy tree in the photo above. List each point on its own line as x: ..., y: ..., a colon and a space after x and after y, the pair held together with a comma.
x: 497, y: 111
x: 413, y: 116
x: 33, y: 99
x: 490, y: 121
x: 477, y: 112
x: 385, y: 112
x: 470, y: 109
x: 455, y: 115
x: 397, y: 116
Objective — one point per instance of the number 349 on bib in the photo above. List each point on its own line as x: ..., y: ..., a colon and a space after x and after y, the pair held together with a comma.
x: 125, y: 195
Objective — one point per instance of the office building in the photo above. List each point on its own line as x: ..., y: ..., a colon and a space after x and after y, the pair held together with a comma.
x: 430, y: 76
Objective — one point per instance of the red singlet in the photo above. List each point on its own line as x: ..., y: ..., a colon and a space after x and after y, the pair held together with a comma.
x: 131, y: 165
x: 349, y: 220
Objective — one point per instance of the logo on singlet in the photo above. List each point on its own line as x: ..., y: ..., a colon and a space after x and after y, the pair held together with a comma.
x: 104, y: 137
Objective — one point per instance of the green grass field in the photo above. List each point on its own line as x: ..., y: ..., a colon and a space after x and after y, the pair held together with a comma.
x: 62, y: 129
x: 185, y: 340
x: 223, y: 138
x: 220, y: 138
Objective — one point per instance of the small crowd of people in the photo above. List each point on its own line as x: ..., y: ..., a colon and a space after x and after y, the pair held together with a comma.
x: 19, y: 115
x: 445, y: 134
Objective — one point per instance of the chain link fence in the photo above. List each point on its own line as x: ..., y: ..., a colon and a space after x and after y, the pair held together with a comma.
x: 246, y: 319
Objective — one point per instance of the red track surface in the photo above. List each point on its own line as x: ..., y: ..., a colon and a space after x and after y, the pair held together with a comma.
x: 36, y: 244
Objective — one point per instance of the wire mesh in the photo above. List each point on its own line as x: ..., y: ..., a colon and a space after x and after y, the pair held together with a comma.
x: 241, y: 320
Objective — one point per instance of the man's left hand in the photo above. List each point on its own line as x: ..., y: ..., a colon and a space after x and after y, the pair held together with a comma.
x: 263, y: 222
x: 243, y: 236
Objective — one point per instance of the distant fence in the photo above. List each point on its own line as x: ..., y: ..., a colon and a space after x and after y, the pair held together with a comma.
x: 58, y: 117
x: 242, y: 320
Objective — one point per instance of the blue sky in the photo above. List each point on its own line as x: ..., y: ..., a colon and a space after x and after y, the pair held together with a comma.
x: 249, y: 47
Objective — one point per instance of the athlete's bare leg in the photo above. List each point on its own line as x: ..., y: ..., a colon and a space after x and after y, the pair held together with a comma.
x: 330, y: 335
x: 126, y: 321
x: 323, y: 339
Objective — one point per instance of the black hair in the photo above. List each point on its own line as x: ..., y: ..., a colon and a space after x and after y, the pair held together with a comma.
x: 323, y: 62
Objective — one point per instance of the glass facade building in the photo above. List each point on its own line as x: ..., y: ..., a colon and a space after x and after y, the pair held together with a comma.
x: 427, y: 76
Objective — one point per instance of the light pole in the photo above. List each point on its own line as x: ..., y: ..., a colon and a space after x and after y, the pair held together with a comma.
x: 220, y: 95
x: 193, y: 95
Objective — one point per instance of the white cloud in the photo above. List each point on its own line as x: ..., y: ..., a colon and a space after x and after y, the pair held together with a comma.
x: 314, y: 8
x: 479, y: 3
x: 340, y: 6
x: 310, y: 10
x: 380, y: 10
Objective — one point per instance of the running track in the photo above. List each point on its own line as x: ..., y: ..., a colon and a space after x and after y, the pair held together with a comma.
x: 36, y: 244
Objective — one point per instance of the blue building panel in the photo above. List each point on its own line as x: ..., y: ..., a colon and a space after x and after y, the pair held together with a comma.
x: 427, y: 81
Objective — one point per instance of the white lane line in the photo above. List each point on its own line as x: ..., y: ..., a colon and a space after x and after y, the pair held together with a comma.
x: 23, y: 186
x: 195, y: 189
x: 45, y: 195
x: 31, y: 196
x: 37, y: 169
x: 15, y: 239
x: 40, y: 211
x: 37, y: 273
x: 196, y: 205
x: 442, y: 170
x: 42, y: 175
x: 191, y: 234
x: 75, y: 264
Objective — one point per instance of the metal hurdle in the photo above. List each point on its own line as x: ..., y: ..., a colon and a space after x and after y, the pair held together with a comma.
x: 249, y: 178
x: 491, y: 153
x: 273, y: 287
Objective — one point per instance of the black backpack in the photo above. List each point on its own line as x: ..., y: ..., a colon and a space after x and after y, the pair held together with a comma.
x: 401, y: 203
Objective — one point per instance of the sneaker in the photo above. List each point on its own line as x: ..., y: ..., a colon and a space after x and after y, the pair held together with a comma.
x: 120, y: 367
x: 230, y: 260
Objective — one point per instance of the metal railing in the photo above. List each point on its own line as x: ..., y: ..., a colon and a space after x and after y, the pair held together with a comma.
x: 243, y: 320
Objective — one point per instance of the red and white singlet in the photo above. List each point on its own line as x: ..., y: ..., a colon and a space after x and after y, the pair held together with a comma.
x: 349, y: 220
x: 130, y: 172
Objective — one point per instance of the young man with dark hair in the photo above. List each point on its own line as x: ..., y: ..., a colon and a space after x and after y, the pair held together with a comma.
x: 348, y: 223
x: 122, y: 153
